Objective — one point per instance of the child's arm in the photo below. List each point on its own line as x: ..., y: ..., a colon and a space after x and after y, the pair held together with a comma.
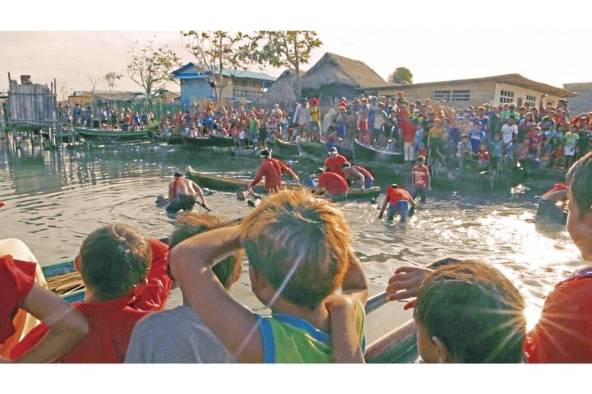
x: 354, y: 283
x: 191, y: 264
x: 345, y: 339
x: 66, y: 325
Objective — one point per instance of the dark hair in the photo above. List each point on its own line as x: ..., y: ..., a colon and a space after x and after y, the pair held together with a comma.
x: 178, y: 174
x: 579, y: 177
x: 189, y: 224
x: 476, y: 311
x: 346, y: 165
x: 113, y: 259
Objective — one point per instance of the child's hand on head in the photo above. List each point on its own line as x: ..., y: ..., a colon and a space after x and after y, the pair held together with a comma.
x: 405, y: 284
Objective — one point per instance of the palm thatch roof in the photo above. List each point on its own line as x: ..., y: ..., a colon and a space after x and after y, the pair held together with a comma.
x: 283, y: 90
x: 333, y: 69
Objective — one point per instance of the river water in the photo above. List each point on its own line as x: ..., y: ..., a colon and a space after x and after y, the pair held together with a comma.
x: 54, y: 199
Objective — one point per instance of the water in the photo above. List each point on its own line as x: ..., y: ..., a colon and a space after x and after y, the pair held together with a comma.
x: 54, y: 199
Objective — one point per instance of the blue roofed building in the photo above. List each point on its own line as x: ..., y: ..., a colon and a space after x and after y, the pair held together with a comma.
x: 241, y: 84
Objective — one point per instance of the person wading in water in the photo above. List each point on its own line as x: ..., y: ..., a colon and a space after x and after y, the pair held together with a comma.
x: 182, y: 194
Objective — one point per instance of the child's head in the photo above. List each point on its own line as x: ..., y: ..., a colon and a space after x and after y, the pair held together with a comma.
x: 192, y: 223
x: 297, y: 245
x: 469, y: 312
x: 113, y: 260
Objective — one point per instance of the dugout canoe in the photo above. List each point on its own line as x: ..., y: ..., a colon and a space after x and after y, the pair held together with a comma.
x: 106, y: 135
x: 218, y: 140
x: 169, y: 139
x: 365, y: 153
x: 285, y: 149
x: 199, y: 142
x: 228, y: 184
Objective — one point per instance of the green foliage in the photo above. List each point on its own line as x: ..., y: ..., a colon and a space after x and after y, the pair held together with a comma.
x: 150, y: 67
x: 401, y: 75
x: 284, y: 48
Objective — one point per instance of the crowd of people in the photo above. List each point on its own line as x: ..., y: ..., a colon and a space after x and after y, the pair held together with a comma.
x: 302, y: 266
x: 108, y: 118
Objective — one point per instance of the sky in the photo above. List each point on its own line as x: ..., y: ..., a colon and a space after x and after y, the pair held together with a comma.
x: 434, y: 40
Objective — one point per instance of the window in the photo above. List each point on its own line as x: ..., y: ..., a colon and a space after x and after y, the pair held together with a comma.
x: 246, y: 92
x: 461, y: 95
x: 506, y: 96
x: 531, y: 100
x: 440, y: 95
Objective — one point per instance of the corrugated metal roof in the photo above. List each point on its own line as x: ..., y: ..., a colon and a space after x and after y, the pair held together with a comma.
x: 190, y: 70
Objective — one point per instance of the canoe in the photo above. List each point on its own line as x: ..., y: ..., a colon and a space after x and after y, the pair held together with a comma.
x: 218, y: 140
x: 99, y: 134
x: 364, y: 153
x: 314, y: 150
x: 229, y: 184
x: 397, y: 346
x: 285, y: 149
x: 170, y: 139
x: 199, y: 142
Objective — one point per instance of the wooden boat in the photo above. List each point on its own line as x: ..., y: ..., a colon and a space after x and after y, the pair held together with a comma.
x: 314, y: 150
x: 397, y: 346
x: 106, y: 135
x: 364, y: 153
x: 169, y: 139
x: 229, y: 184
x: 218, y: 140
x: 199, y: 142
x: 285, y: 149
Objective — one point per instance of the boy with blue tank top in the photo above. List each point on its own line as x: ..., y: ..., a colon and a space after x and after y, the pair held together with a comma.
x: 301, y: 266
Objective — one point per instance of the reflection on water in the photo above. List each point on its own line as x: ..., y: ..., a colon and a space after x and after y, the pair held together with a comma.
x: 54, y: 199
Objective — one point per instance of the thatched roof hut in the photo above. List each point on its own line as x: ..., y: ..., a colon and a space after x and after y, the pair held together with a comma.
x: 335, y: 76
x: 283, y: 91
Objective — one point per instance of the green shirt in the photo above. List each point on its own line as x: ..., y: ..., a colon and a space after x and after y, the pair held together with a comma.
x: 290, y: 339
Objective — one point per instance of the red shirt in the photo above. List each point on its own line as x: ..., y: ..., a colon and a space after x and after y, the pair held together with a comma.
x: 564, y: 331
x: 408, y: 129
x: 483, y: 155
x: 367, y: 174
x: 272, y: 170
x: 334, y: 164
x: 556, y: 187
x: 396, y: 194
x: 420, y: 173
x: 16, y: 280
x: 111, y: 322
x: 333, y: 183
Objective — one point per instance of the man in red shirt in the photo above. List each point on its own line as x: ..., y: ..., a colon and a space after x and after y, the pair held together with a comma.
x: 399, y: 201
x: 358, y: 172
x: 19, y: 291
x: 420, y: 178
x: 334, y: 162
x: 564, y: 331
x: 125, y: 278
x: 331, y: 184
x: 272, y: 170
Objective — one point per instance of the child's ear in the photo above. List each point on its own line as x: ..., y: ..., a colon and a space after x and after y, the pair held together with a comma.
x: 77, y: 263
x: 443, y: 354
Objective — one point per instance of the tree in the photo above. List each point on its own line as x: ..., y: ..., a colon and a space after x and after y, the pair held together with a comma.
x: 219, y: 51
x: 150, y: 67
x: 111, y: 79
x: 285, y: 48
x: 401, y: 75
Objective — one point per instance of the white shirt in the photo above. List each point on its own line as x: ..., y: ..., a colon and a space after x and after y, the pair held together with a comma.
x: 508, y: 132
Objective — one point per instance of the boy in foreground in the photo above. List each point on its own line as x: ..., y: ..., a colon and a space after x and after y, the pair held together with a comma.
x: 179, y: 335
x: 465, y: 312
x: 300, y: 255
x: 125, y: 278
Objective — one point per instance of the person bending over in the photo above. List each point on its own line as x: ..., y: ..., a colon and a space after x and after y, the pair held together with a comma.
x: 182, y: 194
x: 271, y: 169
x: 399, y: 201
